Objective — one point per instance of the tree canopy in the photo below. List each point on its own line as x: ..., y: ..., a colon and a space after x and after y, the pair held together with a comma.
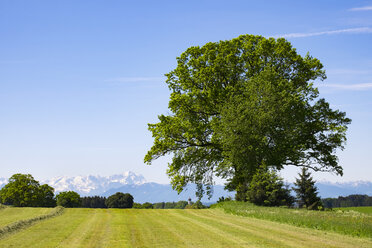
x: 120, y: 200
x: 68, y: 199
x: 23, y: 190
x: 46, y: 196
x: 239, y: 103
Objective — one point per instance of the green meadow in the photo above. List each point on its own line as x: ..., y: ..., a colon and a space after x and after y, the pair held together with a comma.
x: 346, y: 222
x: 11, y: 215
x: 364, y: 210
x: 215, y: 227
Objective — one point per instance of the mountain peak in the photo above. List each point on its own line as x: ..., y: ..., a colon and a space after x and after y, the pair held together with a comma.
x: 91, y: 184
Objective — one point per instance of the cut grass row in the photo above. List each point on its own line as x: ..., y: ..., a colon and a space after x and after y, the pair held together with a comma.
x: 24, y: 223
x: 169, y: 228
x: 10, y: 215
x: 344, y: 222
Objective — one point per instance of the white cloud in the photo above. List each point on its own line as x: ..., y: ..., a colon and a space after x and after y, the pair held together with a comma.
x: 332, y: 32
x: 365, y: 8
x: 135, y: 79
x: 365, y: 86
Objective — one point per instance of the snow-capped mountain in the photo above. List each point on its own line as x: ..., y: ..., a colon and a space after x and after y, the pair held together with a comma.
x: 143, y: 191
x: 94, y: 185
x: 329, y: 189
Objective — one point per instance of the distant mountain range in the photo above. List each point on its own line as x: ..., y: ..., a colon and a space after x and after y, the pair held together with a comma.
x: 128, y: 182
x: 328, y: 189
x: 94, y: 185
x: 144, y: 191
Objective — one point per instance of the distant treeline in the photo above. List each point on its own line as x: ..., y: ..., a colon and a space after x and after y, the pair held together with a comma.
x: 161, y: 205
x: 100, y: 202
x: 348, y: 201
x: 170, y: 205
x: 93, y: 202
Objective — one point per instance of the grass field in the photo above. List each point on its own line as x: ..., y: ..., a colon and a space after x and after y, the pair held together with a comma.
x: 169, y: 228
x: 364, y: 210
x: 11, y: 215
x: 350, y: 223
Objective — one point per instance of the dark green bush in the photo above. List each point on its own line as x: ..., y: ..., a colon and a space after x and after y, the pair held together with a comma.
x: 120, y: 200
x: 267, y: 189
x: 68, y: 199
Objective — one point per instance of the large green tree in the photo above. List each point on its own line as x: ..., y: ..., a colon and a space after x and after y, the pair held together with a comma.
x: 46, y: 196
x: 120, y: 200
x: 244, y: 102
x: 23, y: 190
x: 68, y: 199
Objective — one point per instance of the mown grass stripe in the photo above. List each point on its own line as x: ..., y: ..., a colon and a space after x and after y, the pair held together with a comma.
x: 21, y: 224
x: 309, y: 237
x: 172, y: 231
x: 289, y: 236
x: 261, y: 228
x: 13, y: 214
x: 77, y: 238
x: 247, y: 237
x: 148, y: 229
x: 189, y: 234
x: 169, y: 234
x: 255, y: 229
x: 120, y: 235
x: 97, y: 237
x: 348, y: 223
x: 210, y: 234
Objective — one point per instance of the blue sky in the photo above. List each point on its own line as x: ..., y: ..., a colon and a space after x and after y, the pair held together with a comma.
x: 80, y: 80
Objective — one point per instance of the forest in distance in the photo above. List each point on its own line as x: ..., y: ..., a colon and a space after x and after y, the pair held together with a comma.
x: 36, y: 195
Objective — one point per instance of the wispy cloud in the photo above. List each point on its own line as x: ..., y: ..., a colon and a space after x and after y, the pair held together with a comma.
x: 365, y: 8
x: 365, y: 86
x: 135, y: 79
x: 361, y: 30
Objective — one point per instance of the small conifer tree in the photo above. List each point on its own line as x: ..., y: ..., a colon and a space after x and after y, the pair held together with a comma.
x: 306, y: 191
x: 268, y: 189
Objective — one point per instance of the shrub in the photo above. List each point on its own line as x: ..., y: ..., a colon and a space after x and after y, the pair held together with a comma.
x: 120, y: 200
x: 147, y: 205
x: 196, y: 205
x: 223, y: 199
x: 68, y: 199
x: 267, y: 189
